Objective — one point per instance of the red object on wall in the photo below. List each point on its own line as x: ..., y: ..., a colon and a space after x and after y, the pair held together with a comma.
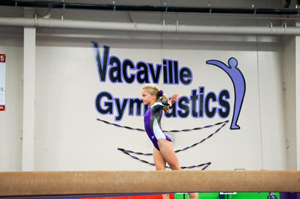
x: 2, y: 58
x: 135, y: 197
x: 2, y: 108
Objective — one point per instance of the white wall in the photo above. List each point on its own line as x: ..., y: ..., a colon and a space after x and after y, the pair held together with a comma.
x: 68, y: 137
x: 272, y: 110
x: 290, y: 100
x: 297, y: 54
x: 11, y: 118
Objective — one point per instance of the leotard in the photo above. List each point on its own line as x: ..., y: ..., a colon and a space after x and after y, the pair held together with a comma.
x: 152, y: 120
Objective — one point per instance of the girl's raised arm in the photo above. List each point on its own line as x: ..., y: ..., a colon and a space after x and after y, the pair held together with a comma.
x: 174, y: 98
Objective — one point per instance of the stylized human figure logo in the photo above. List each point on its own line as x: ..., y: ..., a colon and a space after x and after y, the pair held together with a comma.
x: 239, y: 85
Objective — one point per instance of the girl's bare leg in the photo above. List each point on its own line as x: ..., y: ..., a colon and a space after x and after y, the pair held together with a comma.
x: 168, y: 154
x: 160, y: 164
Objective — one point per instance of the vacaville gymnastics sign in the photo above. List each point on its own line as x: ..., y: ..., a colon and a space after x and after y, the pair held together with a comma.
x: 111, y: 68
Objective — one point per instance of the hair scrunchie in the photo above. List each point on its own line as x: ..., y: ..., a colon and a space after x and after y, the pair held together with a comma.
x: 160, y: 93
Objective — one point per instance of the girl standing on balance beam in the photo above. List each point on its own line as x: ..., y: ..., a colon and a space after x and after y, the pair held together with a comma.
x: 163, y: 151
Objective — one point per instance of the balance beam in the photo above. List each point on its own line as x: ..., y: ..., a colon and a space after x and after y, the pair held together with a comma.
x: 84, y: 183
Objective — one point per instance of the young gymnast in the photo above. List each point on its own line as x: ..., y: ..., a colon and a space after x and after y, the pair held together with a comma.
x: 163, y: 151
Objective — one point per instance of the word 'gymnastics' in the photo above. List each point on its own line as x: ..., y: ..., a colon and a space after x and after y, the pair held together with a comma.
x: 198, y: 105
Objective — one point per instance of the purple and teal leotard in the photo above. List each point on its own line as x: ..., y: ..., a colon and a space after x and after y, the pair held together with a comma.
x: 152, y: 120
